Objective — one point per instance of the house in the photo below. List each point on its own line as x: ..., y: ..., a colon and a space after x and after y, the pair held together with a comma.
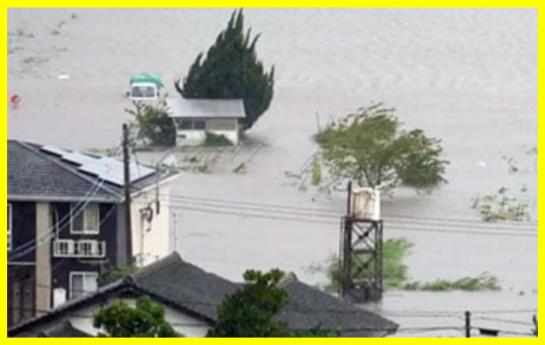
x: 191, y: 298
x: 66, y: 223
x: 193, y: 118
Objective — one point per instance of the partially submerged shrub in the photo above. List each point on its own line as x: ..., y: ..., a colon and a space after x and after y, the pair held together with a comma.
x: 213, y: 139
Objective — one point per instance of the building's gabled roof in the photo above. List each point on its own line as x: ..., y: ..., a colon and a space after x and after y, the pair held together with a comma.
x: 309, y: 307
x: 206, y: 108
x: 63, y: 330
x: 185, y: 287
x: 42, y: 172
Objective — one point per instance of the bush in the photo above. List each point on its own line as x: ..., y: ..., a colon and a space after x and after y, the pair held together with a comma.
x: 154, y: 124
x: 212, y: 139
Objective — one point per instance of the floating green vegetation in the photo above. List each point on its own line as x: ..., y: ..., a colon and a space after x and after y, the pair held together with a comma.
x: 484, y: 281
x: 103, y: 151
x: 394, y: 269
x: 14, y: 49
x: 22, y: 32
x: 34, y: 60
x: 501, y: 207
x: 316, y: 179
x: 395, y: 273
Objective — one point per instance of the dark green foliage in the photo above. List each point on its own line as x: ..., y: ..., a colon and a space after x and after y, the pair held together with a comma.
x: 395, y: 272
x: 231, y: 70
x: 154, y: 124
x: 115, y: 273
x: 212, y: 139
x: 371, y: 148
x: 394, y: 269
x: 147, y: 320
x: 482, y: 282
x: 251, y: 310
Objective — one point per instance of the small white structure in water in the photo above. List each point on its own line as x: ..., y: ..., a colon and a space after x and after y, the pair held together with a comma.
x: 193, y: 118
x: 365, y: 203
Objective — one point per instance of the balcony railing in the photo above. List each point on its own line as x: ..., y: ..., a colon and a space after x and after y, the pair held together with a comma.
x: 66, y: 248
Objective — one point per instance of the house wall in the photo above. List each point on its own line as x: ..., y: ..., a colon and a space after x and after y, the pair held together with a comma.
x: 23, y: 231
x: 22, y: 270
x: 182, y: 323
x: 43, y: 255
x: 21, y: 292
x: 61, y: 267
x: 193, y: 137
x: 151, y: 240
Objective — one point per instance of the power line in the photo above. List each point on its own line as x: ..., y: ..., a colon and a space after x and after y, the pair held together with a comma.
x: 321, y: 212
x: 402, y: 227
x: 326, y: 216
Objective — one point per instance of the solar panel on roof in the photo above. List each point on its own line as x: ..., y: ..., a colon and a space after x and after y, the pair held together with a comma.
x: 78, y: 158
x: 111, y: 170
x: 105, y: 168
x: 55, y: 150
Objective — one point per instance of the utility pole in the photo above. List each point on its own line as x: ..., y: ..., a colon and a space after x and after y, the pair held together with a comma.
x: 468, y: 324
x: 127, y: 187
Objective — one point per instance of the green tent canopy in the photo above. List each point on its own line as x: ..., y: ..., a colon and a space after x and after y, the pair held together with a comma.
x: 147, y: 78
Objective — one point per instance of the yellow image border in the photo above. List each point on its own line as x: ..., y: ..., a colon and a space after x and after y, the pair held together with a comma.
x: 539, y: 6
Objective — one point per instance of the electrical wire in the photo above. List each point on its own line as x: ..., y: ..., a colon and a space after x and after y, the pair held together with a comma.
x: 400, y: 227
x: 322, y: 212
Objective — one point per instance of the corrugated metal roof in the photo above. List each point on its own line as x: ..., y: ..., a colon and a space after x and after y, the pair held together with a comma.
x: 206, y: 108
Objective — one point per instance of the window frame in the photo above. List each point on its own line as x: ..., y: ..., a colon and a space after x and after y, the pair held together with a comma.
x: 84, y: 231
x: 83, y: 274
x: 203, y: 121
x: 10, y: 226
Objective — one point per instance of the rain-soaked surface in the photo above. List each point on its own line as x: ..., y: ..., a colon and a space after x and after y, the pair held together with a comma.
x: 468, y: 77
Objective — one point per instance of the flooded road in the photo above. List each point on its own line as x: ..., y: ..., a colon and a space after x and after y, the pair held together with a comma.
x: 468, y: 77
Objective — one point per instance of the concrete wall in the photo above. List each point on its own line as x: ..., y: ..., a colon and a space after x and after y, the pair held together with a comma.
x: 151, y: 240
x: 43, y: 258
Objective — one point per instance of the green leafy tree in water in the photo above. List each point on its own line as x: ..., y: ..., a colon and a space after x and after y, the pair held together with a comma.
x: 146, y: 320
x: 371, y: 148
x: 153, y: 123
x: 231, y: 70
x: 251, y: 310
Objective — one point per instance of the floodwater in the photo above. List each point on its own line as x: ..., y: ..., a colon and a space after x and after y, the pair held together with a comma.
x: 467, y: 76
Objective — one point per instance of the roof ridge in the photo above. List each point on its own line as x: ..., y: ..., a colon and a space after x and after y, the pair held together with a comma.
x: 165, y: 261
x: 37, y: 152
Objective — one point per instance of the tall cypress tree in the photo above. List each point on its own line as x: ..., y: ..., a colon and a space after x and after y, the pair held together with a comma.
x: 231, y: 70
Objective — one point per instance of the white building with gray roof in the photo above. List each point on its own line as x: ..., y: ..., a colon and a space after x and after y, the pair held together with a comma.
x: 193, y: 118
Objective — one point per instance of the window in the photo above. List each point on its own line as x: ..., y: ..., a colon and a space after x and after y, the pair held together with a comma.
x: 83, y: 283
x: 143, y: 91
x: 221, y: 124
x: 9, y: 221
x: 199, y: 124
x: 84, y: 221
x: 186, y: 124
